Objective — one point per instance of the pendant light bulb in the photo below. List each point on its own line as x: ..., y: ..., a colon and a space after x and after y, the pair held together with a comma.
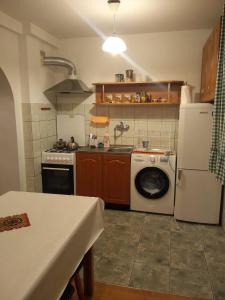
x: 114, y: 45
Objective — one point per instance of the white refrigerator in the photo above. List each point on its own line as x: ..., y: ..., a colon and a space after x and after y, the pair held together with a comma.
x: 198, y: 194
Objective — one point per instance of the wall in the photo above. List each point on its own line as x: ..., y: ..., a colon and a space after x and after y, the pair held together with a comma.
x: 20, y: 60
x: 10, y: 65
x: 160, y: 56
x: 9, y: 167
x: 39, y: 114
x: 223, y: 213
x: 155, y: 56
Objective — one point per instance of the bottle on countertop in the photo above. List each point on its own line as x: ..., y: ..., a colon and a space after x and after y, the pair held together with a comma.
x: 106, y: 140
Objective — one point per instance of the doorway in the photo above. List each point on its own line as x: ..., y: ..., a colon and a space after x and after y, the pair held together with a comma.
x: 9, y: 167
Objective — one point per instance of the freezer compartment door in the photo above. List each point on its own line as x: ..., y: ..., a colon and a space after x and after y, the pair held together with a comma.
x: 198, y: 196
x: 194, y: 137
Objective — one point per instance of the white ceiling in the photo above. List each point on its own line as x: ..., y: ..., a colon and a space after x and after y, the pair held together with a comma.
x: 70, y: 18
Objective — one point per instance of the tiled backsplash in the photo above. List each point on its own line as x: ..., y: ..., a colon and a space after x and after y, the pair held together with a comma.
x: 39, y: 127
x: 158, y: 124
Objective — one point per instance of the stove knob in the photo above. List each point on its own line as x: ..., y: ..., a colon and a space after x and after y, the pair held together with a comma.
x: 56, y: 158
x: 59, y: 158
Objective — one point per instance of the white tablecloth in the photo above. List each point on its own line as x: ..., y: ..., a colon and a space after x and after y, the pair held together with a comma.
x: 36, y: 262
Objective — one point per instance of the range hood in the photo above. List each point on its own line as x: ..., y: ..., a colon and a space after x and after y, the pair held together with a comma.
x: 72, y: 85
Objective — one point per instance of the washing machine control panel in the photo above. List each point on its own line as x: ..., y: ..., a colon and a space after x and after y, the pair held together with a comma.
x: 152, y: 159
x: 164, y: 158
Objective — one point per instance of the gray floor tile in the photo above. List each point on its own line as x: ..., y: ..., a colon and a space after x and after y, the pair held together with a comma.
x: 190, y: 283
x: 125, y: 218
x: 122, y: 232
x: 180, y: 226
x: 219, y: 286
x: 152, y: 255
x: 156, y: 222
x: 214, y: 243
x: 188, y: 259
x: 186, y: 240
x: 160, y: 239
x: 216, y: 261
x: 125, y: 249
x: 113, y: 270
x: 156, y: 252
x: 149, y: 277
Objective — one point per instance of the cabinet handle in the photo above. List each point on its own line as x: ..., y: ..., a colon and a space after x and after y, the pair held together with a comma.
x: 179, y: 173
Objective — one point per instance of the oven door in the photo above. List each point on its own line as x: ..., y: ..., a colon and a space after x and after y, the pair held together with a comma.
x: 57, y: 179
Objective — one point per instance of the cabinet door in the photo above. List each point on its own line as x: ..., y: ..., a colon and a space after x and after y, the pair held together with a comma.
x: 116, y: 179
x: 210, y: 63
x: 88, y: 174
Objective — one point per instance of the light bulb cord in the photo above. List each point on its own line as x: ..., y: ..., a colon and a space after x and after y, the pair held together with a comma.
x: 114, y: 23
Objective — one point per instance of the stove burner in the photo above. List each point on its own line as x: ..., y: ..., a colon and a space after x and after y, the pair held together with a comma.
x: 57, y: 150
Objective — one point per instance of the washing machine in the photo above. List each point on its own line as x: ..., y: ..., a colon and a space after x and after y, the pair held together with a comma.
x: 153, y: 182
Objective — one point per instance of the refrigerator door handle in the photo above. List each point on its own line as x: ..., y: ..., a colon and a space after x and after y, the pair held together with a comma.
x: 179, y: 174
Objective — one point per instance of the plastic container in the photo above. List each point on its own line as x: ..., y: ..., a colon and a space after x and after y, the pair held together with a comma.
x: 106, y: 140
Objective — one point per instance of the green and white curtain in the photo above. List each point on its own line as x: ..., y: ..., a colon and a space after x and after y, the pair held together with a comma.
x: 217, y: 154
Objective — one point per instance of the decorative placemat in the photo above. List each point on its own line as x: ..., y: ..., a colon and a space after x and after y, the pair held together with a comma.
x: 14, y: 222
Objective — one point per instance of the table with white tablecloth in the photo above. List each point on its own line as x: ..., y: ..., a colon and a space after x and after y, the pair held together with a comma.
x: 38, y: 260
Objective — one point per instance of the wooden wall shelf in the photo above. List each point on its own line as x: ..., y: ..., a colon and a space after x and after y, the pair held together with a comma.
x: 130, y: 93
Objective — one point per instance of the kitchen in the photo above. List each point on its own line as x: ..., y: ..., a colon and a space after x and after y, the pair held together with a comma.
x: 174, y: 53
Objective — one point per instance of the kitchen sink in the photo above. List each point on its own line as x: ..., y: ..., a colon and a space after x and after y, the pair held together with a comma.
x: 121, y: 149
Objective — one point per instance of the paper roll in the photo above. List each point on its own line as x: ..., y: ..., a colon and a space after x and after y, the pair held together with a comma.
x: 186, y: 96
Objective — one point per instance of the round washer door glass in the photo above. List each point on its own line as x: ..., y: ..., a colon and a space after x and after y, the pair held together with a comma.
x: 152, y: 183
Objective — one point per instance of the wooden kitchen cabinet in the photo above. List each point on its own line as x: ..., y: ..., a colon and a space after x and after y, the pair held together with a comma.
x: 88, y: 174
x: 116, y: 179
x: 104, y: 175
x: 124, y: 93
x: 210, y: 57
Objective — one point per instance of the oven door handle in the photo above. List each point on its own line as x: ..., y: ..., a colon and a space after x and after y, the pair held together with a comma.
x: 56, y: 169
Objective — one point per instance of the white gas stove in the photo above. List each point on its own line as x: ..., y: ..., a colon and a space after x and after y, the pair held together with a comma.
x: 58, y: 156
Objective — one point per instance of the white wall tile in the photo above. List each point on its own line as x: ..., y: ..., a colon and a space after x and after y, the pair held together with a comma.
x: 67, y: 109
x: 90, y: 110
x: 43, y: 144
x: 30, y: 184
x: 101, y: 129
x: 155, y: 112
x: 27, y: 131
x: 36, y: 148
x: 38, y: 184
x: 78, y: 109
x: 28, y: 147
x: 44, y: 129
x: 36, y: 130
x: 127, y: 140
x: 37, y: 166
x: 116, y: 113
x: 26, y: 112
x: 102, y: 110
x: 140, y: 112
x: 35, y: 112
x: 29, y: 163
x: 128, y: 112
x: 140, y: 127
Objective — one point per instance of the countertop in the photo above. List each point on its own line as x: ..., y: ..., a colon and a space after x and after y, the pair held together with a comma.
x: 106, y: 150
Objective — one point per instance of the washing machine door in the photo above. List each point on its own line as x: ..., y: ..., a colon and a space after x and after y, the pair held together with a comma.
x: 152, y: 183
